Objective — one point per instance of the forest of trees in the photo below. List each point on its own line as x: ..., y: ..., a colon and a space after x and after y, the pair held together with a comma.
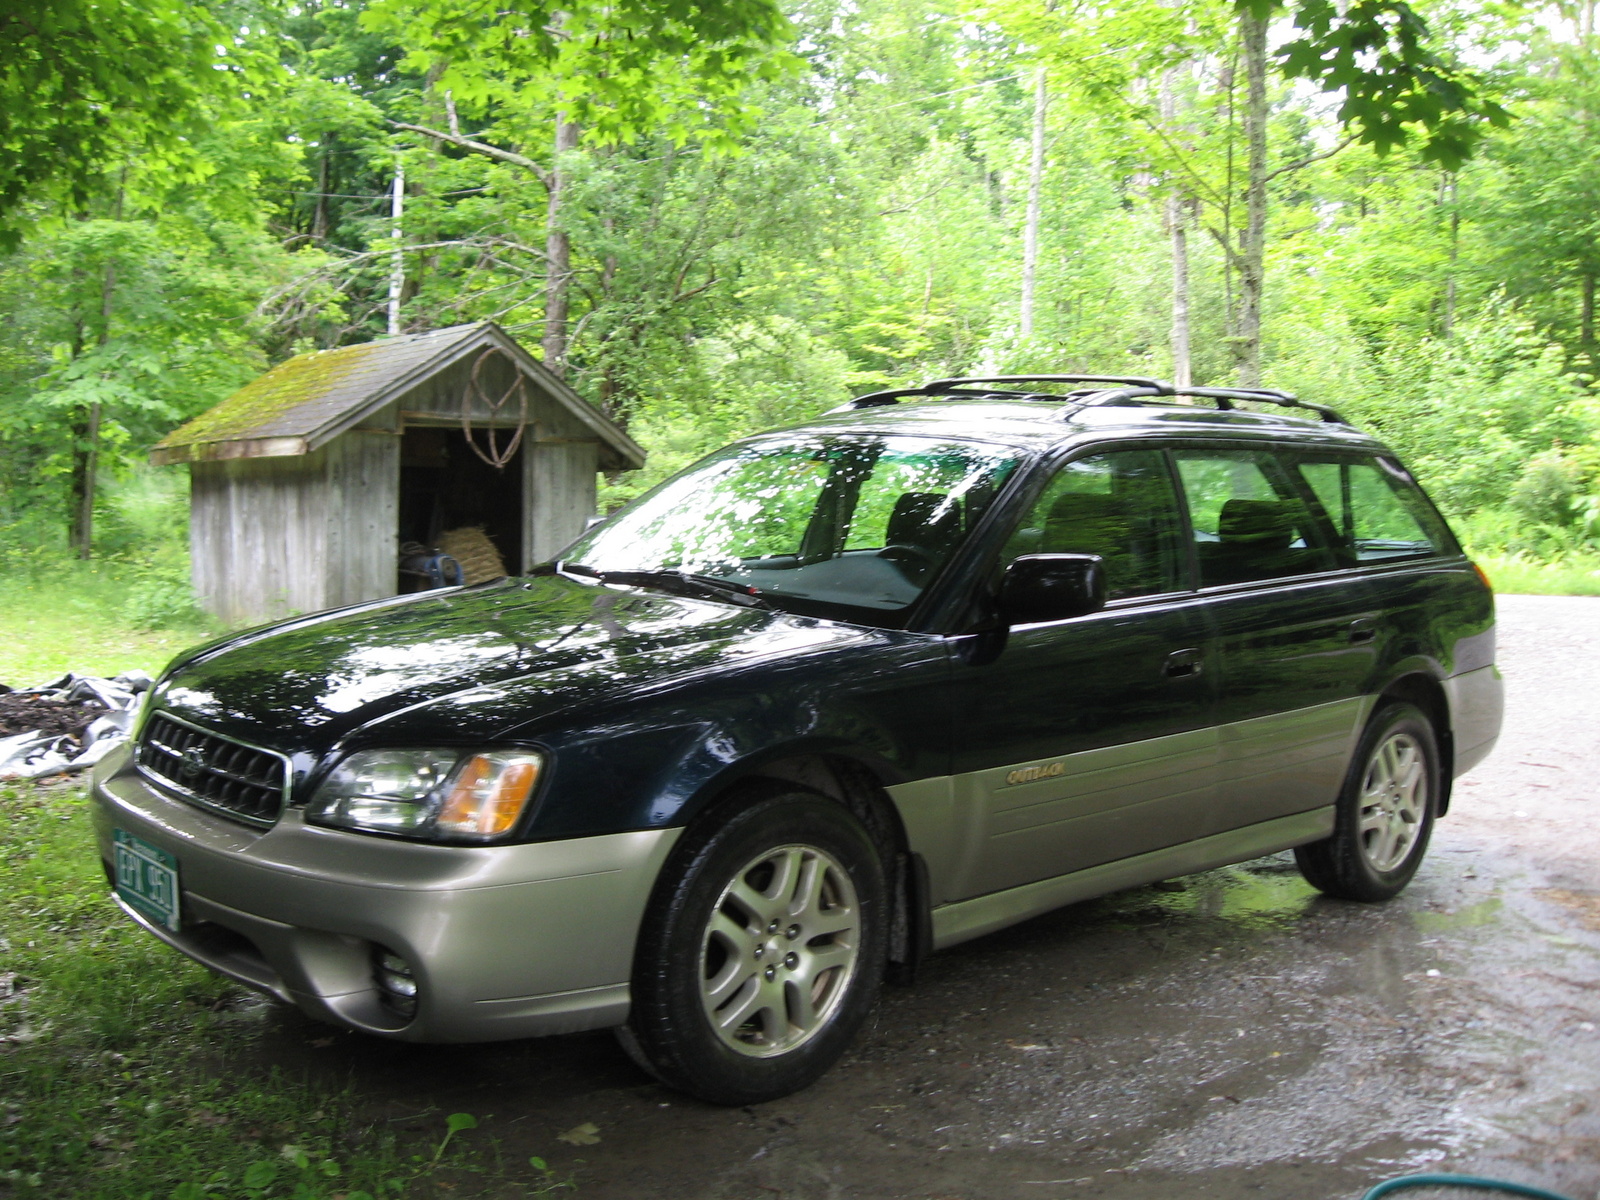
x: 715, y: 218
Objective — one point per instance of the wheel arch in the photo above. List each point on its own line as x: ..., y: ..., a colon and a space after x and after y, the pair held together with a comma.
x: 1422, y: 689
x: 859, y: 782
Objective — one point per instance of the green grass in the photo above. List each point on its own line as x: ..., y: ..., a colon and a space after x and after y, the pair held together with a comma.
x: 1517, y: 574
x: 124, y: 1067
x: 72, y: 616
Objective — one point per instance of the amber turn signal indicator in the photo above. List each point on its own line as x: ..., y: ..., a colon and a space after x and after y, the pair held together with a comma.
x: 489, y: 793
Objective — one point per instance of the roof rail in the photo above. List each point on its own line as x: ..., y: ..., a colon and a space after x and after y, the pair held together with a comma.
x: 892, y: 396
x: 1162, y: 387
x: 1223, y: 397
x: 1133, y: 389
x: 1264, y: 395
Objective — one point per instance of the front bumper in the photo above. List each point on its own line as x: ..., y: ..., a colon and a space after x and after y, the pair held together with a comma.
x: 505, y: 941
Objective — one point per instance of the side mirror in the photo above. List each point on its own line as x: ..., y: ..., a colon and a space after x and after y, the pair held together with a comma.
x: 1052, y: 587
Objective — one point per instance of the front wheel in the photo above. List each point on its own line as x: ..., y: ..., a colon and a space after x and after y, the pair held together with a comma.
x: 762, y: 951
x: 1385, y: 812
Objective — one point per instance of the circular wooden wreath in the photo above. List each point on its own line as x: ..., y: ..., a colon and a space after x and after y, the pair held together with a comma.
x: 495, y: 455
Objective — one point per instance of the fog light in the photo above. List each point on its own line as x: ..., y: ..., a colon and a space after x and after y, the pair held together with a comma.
x: 397, y: 986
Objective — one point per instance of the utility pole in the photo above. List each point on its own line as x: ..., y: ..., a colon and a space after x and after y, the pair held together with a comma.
x: 1030, y: 232
x: 397, y: 268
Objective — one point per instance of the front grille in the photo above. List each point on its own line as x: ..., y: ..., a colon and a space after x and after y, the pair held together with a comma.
x: 213, y: 771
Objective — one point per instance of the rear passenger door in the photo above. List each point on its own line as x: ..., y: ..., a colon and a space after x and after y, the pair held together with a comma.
x: 1293, y: 628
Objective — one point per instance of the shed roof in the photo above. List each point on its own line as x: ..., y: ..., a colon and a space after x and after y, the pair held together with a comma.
x: 304, y: 403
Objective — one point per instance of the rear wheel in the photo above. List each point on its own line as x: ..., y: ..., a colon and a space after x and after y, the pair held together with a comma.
x: 1385, y: 812
x: 762, y: 952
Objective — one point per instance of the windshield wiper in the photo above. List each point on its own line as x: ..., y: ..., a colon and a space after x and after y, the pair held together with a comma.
x: 680, y: 583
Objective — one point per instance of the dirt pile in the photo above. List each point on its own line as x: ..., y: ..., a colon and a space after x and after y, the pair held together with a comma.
x: 27, y: 714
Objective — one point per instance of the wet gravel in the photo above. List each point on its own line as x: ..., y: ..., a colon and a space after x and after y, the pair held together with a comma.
x: 1240, y: 1035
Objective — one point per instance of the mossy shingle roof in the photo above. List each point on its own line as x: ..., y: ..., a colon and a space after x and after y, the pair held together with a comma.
x: 302, y: 403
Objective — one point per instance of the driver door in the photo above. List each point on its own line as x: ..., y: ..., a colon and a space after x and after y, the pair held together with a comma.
x: 1092, y: 739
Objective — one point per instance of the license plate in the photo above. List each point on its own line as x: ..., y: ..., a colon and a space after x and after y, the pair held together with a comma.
x: 147, y: 878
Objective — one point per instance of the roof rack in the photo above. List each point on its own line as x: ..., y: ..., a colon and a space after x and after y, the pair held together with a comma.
x: 1223, y: 396
x: 875, y: 399
x: 1131, y: 390
x: 1163, y: 388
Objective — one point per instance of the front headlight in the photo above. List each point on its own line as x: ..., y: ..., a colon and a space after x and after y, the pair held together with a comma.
x: 445, y: 795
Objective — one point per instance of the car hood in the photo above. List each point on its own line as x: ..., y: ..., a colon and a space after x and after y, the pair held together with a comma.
x: 303, y: 686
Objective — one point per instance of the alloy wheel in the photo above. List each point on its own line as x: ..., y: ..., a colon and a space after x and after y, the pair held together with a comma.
x: 779, y: 950
x: 1394, y: 801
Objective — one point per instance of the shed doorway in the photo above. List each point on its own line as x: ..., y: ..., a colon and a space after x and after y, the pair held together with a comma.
x: 445, y: 487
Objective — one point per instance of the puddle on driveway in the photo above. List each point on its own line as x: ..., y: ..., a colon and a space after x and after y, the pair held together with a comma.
x: 1239, y: 1032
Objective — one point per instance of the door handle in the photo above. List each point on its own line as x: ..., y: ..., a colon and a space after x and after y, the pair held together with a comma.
x: 1183, y: 664
x: 1362, y: 630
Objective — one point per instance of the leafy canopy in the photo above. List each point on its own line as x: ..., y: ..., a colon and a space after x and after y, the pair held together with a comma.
x: 1377, y: 53
x: 618, y: 69
x: 84, y: 85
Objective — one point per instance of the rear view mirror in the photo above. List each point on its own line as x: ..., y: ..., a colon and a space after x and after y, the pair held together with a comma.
x: 1052, y: 587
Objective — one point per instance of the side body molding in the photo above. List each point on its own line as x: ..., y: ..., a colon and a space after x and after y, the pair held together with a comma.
x: 954, y: 923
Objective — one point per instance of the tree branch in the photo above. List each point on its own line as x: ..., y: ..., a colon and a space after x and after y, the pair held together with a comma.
x: 466, y: 143
x: 1306, y: 162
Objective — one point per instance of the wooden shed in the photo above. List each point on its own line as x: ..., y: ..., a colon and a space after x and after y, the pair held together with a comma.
x: 307, y: 482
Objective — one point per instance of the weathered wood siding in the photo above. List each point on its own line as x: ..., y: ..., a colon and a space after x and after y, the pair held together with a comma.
x: 560, y: 486
x: 363, y: 488
x: 276, y: 536
x: 258, y: 536
x: 270, y: 537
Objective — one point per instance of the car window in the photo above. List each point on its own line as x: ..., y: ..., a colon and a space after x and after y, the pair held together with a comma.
x: 1376, y: 511
x: 915, y: 498
x: 847, y: 521
x: 1121, y: 506
x: 1249, y: 522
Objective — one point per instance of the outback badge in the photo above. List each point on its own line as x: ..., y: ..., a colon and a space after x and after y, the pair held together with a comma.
x: 1032, y: 774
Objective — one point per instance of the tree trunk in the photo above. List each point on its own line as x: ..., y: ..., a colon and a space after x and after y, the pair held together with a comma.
x: 1253, y: 237
x: 1586, y: 316
x: 397, y: 267
x: 558, y: 255
x: 1448, y: 322
x: 86, y: 432
x: 1177, y: 222
x: 1178, y: 231
x: 1030, y: 232
x: 319, y: 214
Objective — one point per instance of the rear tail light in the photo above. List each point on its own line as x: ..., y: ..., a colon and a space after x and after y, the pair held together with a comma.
x: 1482, y: 577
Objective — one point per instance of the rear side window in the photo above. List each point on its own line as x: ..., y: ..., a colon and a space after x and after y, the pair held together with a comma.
x: 1376, y: 512
x: 1249, y: 520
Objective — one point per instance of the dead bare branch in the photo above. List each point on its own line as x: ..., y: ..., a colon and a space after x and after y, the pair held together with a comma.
x: 466, y: 143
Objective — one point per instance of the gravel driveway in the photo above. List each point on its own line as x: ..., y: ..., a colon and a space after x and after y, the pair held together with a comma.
x: 1234, y: 1035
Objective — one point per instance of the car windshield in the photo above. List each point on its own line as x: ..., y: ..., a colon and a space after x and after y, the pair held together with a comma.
x: 809, y: 522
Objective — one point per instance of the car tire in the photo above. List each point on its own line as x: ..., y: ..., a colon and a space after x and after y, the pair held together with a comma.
x: 1385, y: 811
x: 762, y: 950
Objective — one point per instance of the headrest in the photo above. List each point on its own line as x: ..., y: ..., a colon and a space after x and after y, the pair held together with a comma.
x: 1260, y: 524
x: 1087, y: 523
x: 1086, y: 507
x: 923, y: 519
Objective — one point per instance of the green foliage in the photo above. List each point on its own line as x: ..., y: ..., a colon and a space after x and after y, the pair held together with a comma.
x: 1376, y: 53
x: 125, y: 1062
x: 617, y: 69
x: 85, y: 86
x: 770, y: 209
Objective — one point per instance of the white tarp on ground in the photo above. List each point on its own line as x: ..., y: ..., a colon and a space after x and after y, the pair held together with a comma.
x: 35, y: 754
